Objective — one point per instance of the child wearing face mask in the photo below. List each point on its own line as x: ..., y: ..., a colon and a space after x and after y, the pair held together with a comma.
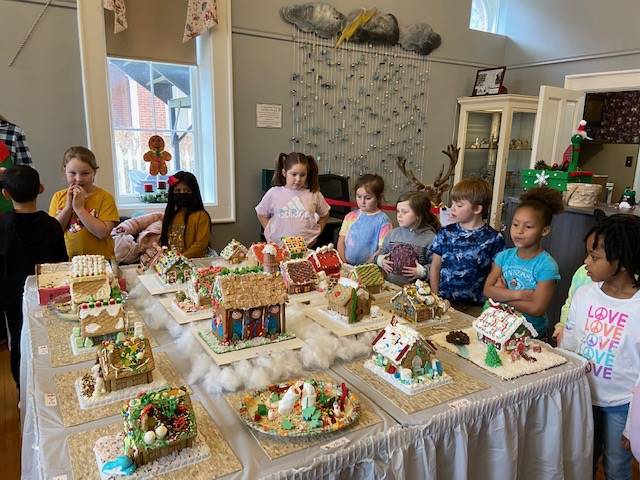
x: 186, y: 225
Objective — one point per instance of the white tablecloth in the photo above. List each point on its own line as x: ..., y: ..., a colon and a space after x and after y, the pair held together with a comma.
x: 538, y: 426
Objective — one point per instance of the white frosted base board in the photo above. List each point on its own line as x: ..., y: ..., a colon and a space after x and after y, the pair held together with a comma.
x: 476, y: 351
x: 412, y: 389
x: 158, y: 383
x: 155, y: 286
x: 182, y: 317
x: 205, y: 337
x: 110, y: 447
x: 338, y: 324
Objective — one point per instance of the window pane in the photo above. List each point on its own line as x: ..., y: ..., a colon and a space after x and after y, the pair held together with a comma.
x: 485, y: 15
x: 150, y: 99
x: 172, y: 89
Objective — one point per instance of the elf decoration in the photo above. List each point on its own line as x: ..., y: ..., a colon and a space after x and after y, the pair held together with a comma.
x: 572, y: 153
x: 157, y: 156
x: 5, y: 162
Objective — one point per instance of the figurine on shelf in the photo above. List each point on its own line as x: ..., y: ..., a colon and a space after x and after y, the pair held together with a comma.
x: 157, y: 156
x: 628, y: 200
x: 475, y: 144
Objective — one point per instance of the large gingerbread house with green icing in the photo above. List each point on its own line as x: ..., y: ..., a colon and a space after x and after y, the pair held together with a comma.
x: 157, y: 424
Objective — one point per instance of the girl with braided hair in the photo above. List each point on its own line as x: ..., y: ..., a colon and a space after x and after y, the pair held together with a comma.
x: 604, y: 327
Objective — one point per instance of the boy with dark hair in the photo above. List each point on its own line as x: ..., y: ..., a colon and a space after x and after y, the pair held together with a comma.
x: 463, y: 252
x: 27, y: 237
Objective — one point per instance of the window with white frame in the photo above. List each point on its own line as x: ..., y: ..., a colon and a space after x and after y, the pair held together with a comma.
x: 191, y: 107
x: 146, y: 99
x: 485, y: 15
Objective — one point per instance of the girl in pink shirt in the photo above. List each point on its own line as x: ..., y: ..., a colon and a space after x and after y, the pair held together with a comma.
x: 293, y: 205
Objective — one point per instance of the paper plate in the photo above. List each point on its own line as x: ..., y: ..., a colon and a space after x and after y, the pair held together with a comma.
x: 316, y: 420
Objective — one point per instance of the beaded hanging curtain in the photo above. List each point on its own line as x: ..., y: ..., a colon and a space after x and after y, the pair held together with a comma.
x: 356, y: 108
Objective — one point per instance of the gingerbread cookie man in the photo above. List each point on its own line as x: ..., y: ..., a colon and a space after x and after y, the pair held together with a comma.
x: 157, y: 156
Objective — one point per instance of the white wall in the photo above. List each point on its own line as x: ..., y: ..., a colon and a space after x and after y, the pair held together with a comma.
x: 42, y: 92
x: 551, y: 29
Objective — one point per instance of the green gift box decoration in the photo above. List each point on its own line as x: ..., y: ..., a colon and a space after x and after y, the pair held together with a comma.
x: 556, y: 179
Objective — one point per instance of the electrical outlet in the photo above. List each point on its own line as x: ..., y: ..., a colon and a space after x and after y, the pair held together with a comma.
x: 628, y: 162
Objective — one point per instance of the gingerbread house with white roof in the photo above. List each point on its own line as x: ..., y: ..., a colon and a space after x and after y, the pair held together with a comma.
x: 504, y: 327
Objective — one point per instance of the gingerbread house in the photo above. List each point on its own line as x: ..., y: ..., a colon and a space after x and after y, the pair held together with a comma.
x: 349, y: 300
x: 295, y: 246
x: 504, y: 327
x: 405, y: 359
x: 257, y: 253
x: 125, y: 363
x: 401, y: 256
x: 234, y: 252
x: 369, y: 276
x: 200, y: 285
x: 299, y: 276
x: 149, y: 258
x: 90, y: 279
x: 403, y: 347
x: 326, y: 259
x: 157, y: 424
x: 172, y: 267
x: 417, y: 303
x: 99, y: 321
x: 248, y: 305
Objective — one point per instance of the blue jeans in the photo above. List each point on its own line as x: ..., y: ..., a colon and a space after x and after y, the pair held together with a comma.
x: 608, y: 425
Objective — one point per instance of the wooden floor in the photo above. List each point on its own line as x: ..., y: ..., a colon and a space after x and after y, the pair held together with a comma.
x: 9, y: 419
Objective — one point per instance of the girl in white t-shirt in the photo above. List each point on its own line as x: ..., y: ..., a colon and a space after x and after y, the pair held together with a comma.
x: 604, y: 328
x: 293, y: 205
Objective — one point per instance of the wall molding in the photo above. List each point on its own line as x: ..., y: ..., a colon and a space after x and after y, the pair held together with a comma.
x: 70, y: 4
x: 289, y: 38
x: 576, y: 58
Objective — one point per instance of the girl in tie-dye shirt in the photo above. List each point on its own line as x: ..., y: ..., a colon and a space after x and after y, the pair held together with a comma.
x: 363, y: 230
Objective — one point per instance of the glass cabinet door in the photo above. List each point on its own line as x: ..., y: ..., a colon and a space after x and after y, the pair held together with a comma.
x: 519, y: 151
x: 481, y: 145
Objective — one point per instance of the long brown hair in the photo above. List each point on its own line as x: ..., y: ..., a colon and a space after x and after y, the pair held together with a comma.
x: 286, y: 161
x: 420, y: 203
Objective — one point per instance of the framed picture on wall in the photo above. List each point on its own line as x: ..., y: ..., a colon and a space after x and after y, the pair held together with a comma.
x: 489, y: 81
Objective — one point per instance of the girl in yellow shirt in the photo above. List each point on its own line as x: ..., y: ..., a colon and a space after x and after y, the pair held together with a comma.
x: 186, y: 225
x: 86, y: 212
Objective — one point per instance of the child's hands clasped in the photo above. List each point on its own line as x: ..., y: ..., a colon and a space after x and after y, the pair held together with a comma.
x: 79, y: 198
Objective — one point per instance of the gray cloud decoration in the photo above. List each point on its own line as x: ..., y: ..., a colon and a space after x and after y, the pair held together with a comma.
x: 327, y: 22
x: 420, y: 38
x: 320, y: 18
x: 381, y: 29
